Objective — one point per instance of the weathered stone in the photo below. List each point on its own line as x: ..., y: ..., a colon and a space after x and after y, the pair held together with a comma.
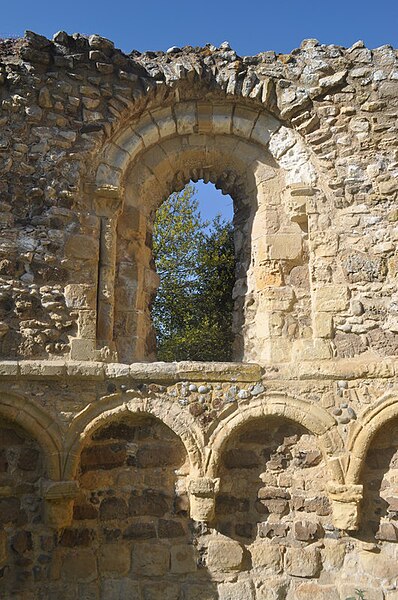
x: 150, y: 503
x: 306, y: 531
x: 103, y: 457
x: 235, y: 591
x: 224, y: 555
x: 113, y: 508
x: 303, y: 562
x: 151, y: 560
x: 140, y: 531
x: 267, y: 557
x: 309, y: 591
x: 80, y: 565
x: 183, y: 558
x: 114, y: 559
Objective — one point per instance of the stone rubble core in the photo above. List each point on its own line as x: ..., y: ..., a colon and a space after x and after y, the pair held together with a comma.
x: 273, y: 477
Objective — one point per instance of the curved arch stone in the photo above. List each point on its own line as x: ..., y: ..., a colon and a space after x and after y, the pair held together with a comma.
x: 40, y: 425
x: 246, y: 153
x: 363, y: 431
x: 116, y: 406
x: 313, y: 418
x: 188, y: 118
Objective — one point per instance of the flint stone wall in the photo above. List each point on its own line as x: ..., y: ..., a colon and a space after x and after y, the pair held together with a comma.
x: 269, y: 478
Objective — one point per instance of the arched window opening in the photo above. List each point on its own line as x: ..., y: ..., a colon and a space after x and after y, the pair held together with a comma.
x: 193, y: 249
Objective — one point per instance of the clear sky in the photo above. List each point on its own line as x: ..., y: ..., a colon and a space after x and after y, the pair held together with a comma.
x: 250, y: 26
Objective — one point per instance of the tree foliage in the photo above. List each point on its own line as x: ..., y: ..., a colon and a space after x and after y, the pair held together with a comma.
x: 192, y: 312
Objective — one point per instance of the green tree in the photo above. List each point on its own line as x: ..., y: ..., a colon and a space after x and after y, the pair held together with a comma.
x: 192, y: 312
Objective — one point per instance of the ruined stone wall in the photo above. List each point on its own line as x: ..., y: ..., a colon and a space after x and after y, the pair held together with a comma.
x: 269, y: 478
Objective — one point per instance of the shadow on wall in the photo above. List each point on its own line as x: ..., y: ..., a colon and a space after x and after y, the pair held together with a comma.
x: 132, y: 536
x: 272, y: 472
x: 25, y: 542
x: 379, y: 478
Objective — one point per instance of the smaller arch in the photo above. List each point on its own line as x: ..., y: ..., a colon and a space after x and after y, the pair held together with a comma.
x: 39, y: 424
x: 364, y: 430
x: 313, y: 418
x: 109, y: 408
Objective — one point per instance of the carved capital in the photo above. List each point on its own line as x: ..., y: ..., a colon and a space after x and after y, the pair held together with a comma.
x: 59, y: 497
x: 346, y: 500
x: 107, y: 201
x: 202, y: 493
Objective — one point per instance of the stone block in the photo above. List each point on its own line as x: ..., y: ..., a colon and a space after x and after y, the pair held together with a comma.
x: 150, y: 560
x: 323, y: 325
x: 331, y: 298
x: 113, y: 508
x: 387, y: 531
x: 275, y: 298
x: 183, y: 558
x: 311, y: 349
x: 140, y: 531
x: 79, y: 295
x: 306, y: 531
x: 200, y: 592
x: 243, y: 121
x: 242, y: 590
x: 114, y: 559
x: 303, y: 562
x: 163, y: 590
x: 149, y: 503
x: 80, y: 565
x: 333, y: 555
x: 378, y: 566
x: 240, y: 459
x: 314, y: 591
x: 266, y: 556
x: 103, y: 457
x: 224, y: 555
x: 284, y: 246
x: 83, y: 247
x: 119, y: 589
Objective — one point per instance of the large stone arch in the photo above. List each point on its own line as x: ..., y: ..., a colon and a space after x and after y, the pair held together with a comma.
x: 363, y: 431
x: 113, y: 407
x: 39, y: 424
x: 314, y: 419
x: 247, y: 153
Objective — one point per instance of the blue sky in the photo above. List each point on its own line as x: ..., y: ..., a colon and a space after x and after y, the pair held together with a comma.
x: 250, y: 26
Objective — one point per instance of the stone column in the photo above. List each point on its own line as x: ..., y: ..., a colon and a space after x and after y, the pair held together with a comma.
x: 346, y: 501
x: 107, y: 205
x: 59, y: 497
x: 202, y: 495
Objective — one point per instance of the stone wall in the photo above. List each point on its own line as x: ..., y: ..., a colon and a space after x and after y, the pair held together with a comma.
x: 269, y: 478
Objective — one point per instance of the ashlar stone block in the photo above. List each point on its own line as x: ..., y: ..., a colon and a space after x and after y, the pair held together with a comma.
x: 150, y: 559
x: 224, y: 555
x: 303, y: 562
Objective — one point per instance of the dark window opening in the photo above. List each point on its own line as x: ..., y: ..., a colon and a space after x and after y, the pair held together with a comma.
x: 194, y: 254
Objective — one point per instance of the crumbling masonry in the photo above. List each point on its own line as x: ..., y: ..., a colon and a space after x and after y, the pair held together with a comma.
x: 273, y: 477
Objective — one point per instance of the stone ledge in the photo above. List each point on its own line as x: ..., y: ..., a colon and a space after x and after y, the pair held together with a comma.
x: 349, y: 369
x: 156, y: 371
